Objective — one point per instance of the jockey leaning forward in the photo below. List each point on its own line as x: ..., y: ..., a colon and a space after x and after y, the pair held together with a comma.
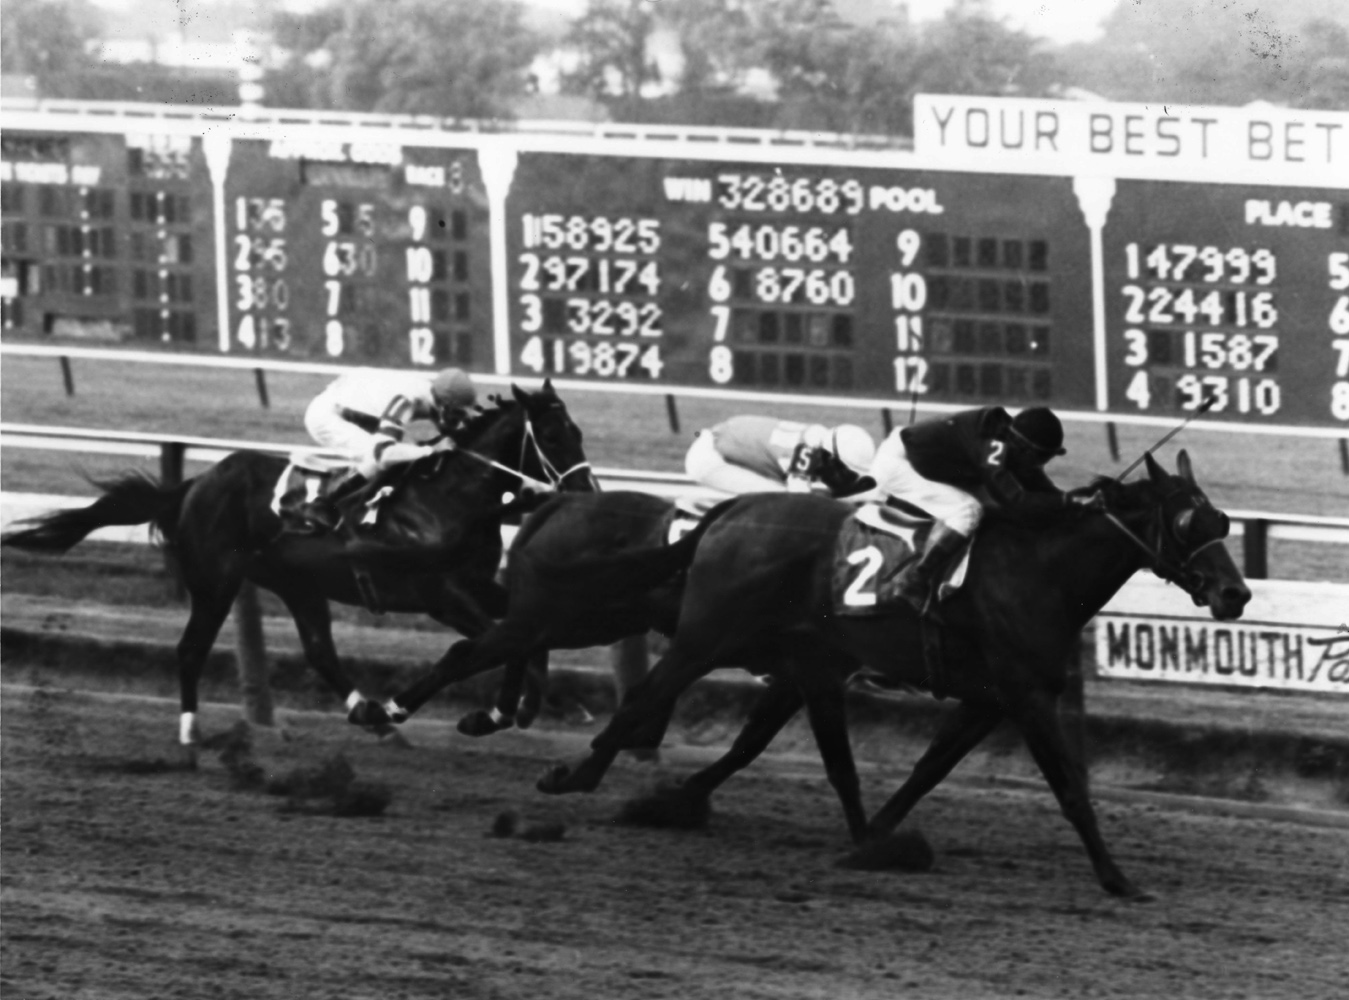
x: 364, y: 414
x: 953, y: 467
x: 750, y: 454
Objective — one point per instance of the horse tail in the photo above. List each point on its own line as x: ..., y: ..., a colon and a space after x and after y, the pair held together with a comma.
x: 610, y: 576
x: 134, y: 498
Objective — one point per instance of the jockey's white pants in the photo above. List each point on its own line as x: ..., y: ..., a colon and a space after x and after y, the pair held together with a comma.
x: 323, y: 419
x: 895, y: 477
x: 706, y: 466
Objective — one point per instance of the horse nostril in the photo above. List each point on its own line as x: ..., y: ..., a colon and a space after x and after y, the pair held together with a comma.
x: 1236, y: 595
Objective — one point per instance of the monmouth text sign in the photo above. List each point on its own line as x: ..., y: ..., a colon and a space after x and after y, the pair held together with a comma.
x: 1293, y: 637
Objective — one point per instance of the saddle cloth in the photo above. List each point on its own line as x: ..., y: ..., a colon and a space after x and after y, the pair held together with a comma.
x: 306, y: 478
x: 873, y: 549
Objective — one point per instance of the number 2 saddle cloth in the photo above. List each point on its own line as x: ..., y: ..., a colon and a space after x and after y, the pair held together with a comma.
x: 875, y: 547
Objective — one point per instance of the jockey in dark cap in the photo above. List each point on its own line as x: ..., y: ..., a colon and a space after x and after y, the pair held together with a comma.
x: 953, y: 467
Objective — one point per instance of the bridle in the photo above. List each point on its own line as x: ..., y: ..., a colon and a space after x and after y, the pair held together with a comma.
x: 1167, y: 558
x: 529, y: 442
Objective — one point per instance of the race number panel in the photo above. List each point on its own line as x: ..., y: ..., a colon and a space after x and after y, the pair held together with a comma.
x: 107, y: 238
x: 939, y: 286
x: 372, y: 253
x: 1232, y: 292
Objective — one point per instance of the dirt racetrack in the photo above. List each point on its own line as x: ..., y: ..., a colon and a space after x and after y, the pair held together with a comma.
x: 125, y: 876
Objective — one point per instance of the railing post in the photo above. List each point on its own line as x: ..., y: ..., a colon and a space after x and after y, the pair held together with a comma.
x: 68, y: 376
x: 1255, y: 549
x: 260, y: 377
x: 251, y: 652
x: 672, y: 411
x: 171, y: 455
x: 1112, y: 440
x: 887, y: 421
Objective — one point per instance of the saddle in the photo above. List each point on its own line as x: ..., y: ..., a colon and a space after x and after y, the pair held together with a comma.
x: 875, y: 547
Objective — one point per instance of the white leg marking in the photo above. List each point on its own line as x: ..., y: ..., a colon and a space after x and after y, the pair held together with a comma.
x: 354, y: 699
x: 188, y: 734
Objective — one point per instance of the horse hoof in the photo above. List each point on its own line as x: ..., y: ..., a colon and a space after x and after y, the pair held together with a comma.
x: 479, y: 723
x: 189, y: 756
x: 1131, y: 893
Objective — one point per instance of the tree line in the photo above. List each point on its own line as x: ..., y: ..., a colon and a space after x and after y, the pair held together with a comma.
x: 794, y: 64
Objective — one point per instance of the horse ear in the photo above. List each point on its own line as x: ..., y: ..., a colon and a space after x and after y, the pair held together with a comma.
x: 1184, y: 467
x: 1155, y: 471
x: 520, y: 395
x: 548, y: 389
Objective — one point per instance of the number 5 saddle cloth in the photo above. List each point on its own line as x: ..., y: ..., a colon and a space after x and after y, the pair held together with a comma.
x: 873, y: 550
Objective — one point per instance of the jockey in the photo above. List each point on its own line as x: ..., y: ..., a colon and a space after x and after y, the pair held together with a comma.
x: 752, y: 454
x: 952, y: 467
x: 364, y: 413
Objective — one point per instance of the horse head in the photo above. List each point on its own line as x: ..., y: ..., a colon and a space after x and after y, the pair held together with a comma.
x: 532, y: 438
x: 1184, y: 536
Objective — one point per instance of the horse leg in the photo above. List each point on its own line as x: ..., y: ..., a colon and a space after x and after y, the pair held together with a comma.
x: 774, y: 709
x: 823, y: 694
x: 521, y: 673
x: 314, y: 622
x: 1037, y: 716
x: 639, y: 722
x: 531, y: 674
x: 503, y: 642
x: 963, y: 728
x: 210, y: 607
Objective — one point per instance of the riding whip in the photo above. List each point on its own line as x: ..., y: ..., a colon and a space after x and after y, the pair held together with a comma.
x: 1204, y: 407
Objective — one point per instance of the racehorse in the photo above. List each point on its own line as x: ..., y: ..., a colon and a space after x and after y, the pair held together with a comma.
x: 435, y: 548
x: 764, y: 568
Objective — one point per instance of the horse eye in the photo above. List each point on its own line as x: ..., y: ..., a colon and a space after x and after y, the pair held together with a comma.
x: 1183, y: 521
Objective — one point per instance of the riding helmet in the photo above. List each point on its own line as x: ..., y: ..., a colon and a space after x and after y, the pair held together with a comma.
x: 853, y: 447
x: 1040, y: 428
x: 453, y: 389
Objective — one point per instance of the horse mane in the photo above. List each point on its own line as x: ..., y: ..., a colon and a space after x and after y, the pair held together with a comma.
x: 1125, y: 497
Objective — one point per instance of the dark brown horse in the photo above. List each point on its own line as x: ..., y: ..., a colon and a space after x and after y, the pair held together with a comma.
x: 764, y: 569
x: 435, y: 549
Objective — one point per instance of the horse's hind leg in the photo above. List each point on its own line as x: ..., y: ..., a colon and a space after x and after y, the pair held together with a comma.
x: 963, y: 728
x: 210, y: 607
x: 1037, y: 716
x: 824, y: 696
x: 779, y: 702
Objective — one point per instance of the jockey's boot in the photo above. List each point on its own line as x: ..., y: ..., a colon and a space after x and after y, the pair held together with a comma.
x: 919, y: 587
x: 326, y: 511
